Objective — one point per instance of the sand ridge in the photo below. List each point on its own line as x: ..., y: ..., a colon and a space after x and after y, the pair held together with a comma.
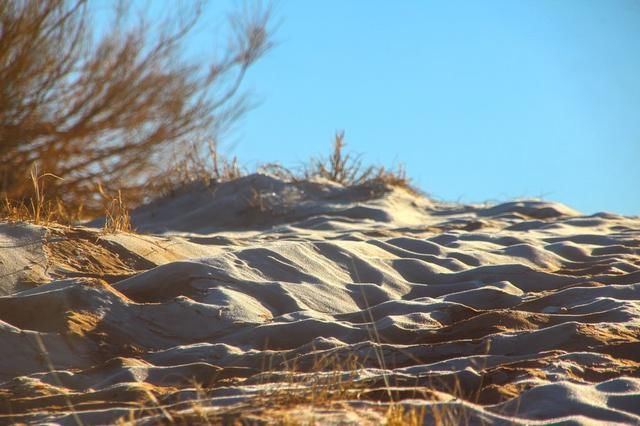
x: 516, y: 313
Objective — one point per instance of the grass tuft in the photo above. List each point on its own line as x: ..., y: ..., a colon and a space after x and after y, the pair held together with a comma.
x: 38, y: 210
x: 116, y: 214
x: 339, y: 167
x: 346, y: 169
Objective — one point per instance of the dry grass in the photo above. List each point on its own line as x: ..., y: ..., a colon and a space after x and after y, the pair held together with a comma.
x: 291, y: 395
x: 339, y: 166
x: 109, y: 106
x: 223, y: 169
x: 397, y: 178
x: 209, y: 168
x: 116, y: 217
x: 329, y: 379
x: 293, y: 407
x: 398, y: 415
x: 35, y: 207
x: 41, y: 211
x: 346, y: 169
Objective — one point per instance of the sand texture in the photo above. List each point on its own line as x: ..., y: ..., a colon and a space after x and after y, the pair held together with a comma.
x: 270, y: 301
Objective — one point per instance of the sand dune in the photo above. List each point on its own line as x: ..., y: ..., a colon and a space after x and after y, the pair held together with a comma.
x: 316, y: 302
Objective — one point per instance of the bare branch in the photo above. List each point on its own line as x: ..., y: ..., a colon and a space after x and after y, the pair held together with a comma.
x: 107, y: 110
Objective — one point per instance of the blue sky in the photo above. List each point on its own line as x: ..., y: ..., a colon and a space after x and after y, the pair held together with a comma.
x: 481, y: 101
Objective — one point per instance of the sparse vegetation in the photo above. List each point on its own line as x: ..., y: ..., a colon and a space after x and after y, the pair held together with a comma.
x: 116, y: 215
x: 39, y: 209
x: 209, y: 168
x: 83, y: 116
x: 344, y: 168
x: 84, y: 125
x: 340, y: 167
x: 114, y: 109
x: 329, y: 384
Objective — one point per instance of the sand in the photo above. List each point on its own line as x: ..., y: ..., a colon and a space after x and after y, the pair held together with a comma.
x: 274, y: 301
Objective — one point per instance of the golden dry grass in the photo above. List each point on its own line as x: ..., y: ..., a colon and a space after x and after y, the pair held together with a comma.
x: 116, y: 217
x: 347, y: 169
x: 35, y: 207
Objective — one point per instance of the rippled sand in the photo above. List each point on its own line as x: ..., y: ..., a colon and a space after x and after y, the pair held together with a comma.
x: 270, y: 301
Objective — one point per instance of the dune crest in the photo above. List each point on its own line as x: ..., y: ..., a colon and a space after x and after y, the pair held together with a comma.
x: 516, y: 313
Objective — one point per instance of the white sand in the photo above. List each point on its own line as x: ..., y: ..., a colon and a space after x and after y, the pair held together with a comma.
x: 524, y: 312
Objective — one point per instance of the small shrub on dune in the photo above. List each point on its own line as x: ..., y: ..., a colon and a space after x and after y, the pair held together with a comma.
x: 208, y: 168
x: 345, y: 169
x: 339, y: 167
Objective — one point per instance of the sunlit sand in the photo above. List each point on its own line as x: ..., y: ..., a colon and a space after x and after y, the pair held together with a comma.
x: 302, y: 302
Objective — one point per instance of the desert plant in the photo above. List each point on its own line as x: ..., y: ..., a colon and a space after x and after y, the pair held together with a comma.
x: 206, y: 166
x: 39, y: 209
x: 110, y: 109
x: 38, y: 202
x: 222, y: 169
x: 346, y: 169
x: 397, y: 177
x: 116, y: 215
x: 339, y: 167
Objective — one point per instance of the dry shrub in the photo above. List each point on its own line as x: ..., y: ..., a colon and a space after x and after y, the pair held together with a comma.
x: 110, y: 109
x: 339, y: 167
x: 346, y: 169
x: 397, y: 177
x: 196, y: 165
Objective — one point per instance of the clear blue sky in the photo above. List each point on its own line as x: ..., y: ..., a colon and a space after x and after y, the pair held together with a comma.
x: 481, y: 100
